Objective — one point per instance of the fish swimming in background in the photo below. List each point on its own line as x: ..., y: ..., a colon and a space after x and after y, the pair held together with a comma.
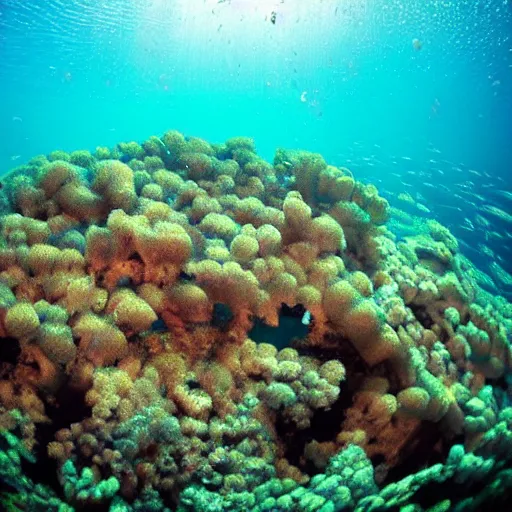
x: 496, y: 212
x: 482, y: 221
x: 503, y: 193
x: 17, y: 119
x: 486, y: 250
x: 417, y: 44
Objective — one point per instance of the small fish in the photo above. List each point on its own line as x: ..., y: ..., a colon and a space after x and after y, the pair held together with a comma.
x: 472, y: 194
x: 469, y: 223
x: 17, y: 119
x: 306, y: 319
x: 482, y: 221
x: 417, y: 44
x: 15, y: 157
x: 449, y: 207
x: 500, y: 274
x: 496, y: 212
x: 486, y: 250
x: 503, y: 193
x: 493, y: 235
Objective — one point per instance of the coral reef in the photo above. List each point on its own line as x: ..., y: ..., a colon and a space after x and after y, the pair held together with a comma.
x: 143, y: 294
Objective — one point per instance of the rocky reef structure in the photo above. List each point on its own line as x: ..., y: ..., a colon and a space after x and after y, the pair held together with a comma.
x: 142, y: 289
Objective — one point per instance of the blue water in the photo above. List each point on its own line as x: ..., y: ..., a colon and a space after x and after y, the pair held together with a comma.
x: 341, y: 77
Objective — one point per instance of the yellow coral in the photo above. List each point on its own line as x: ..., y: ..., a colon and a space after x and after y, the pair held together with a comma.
x: 56, y: 341
x: 327, y: 234
x: 21, y: 320
x: 114, y: 181
x: 244, y: 248
x: 219, y: 225
x: 100, y: 342
x: 54, y: 175
x: 130, y: 312
x: 42, y: 258
x: 189, y: 302
x: 414, y: 401
x: 297, y: 213
x: 78, y: 201
x: 361, y: 282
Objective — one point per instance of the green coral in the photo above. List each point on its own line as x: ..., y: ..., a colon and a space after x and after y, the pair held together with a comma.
x: 131, y: 150
x: 59, y: 155
x: 84, y: 488
x: 82, y: 158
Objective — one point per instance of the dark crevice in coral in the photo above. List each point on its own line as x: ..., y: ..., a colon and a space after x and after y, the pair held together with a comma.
x: 9, y: 350
x: 290, y: 328
x: 222, y: 316
x: 500, y: 382
x: 336, y: 347
x: 424, y: 449
x: 158, y: 326
x: 422, y: 315
x: 465, y: 318
x: 429, y: 495
x: 377, y: 459
x: 296, y: 311
x: 136, y: 257
x: 71, y: 409
x: 92, y: 507
x: 443, y: 336
x: 325, y: 424
x: 184, y: 276
x: 41, y: 216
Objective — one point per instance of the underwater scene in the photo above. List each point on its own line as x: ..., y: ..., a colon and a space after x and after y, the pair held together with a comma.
x: 255, y: 255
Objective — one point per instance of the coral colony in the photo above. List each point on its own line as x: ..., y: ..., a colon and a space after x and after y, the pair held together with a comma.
x: 144, y: 365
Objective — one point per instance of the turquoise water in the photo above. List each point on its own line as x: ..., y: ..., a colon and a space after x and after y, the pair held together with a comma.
x: 394, y: 394
x: 80, y: 74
